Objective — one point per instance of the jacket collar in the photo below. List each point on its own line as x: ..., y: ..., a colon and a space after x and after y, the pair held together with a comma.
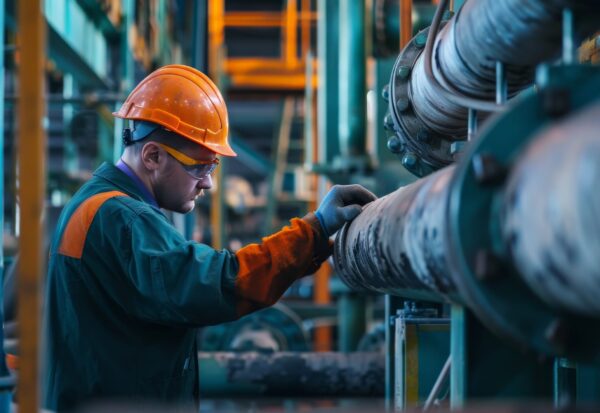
x: 125, y: 183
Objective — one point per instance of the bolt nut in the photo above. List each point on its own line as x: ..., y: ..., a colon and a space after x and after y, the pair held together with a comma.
x: 403, y: 72
x: 409, y: 160
x: 487, y: 169
x: 421, y: 40
x: 395, y: 145
x: 402, y: 104
x: 385, y: 93
x: 388, y: 122
x: 488, y: 266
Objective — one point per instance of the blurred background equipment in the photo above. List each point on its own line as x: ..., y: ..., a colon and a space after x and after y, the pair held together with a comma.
x: 473, y: 278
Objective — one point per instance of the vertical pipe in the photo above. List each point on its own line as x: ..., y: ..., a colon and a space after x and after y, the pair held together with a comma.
x: 199, y: 57
x: 291, y: 34
x: 322, y: 297
x: 565, y: 383
x: 216, y: 37
x: 32, y: 190
x: 200, y: 23
x: 352, y: 78
x: 126, y: 52
x: 406, y: 29
x: 501, y: 83
x: 128, y: 72
x: 399, y: 363
x: 327, y: 94
x: 352, y: 316
x: 217, y: 209
x: 392, y: 304
x: 471, y: 124
x: 305, y: 21
x: 568, y: 56
x: 310, y: 149
x: 280, y: 152
x: 458, y: 354
x: 217, y: 200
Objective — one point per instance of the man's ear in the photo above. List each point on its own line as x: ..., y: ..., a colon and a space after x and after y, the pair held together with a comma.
x: 151, y: 156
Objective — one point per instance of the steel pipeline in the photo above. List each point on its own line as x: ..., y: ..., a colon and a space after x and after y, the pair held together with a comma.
x: 518, y: 34
x: 551, y: 213
x: 397, y: 241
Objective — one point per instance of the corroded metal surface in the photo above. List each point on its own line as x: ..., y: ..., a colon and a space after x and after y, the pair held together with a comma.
x: 516, y: 33
x: 397, y: 241
x: 552, y: 213
x: 300, y: 374
x: 466, y: 54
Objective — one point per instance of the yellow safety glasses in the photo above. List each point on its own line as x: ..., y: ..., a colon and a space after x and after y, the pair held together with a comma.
x: 195, y: 168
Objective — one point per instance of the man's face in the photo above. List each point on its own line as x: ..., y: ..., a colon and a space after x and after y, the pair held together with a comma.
x: 175, y: 188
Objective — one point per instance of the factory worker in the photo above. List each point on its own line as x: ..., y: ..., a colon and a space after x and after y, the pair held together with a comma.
x: 125, y: 290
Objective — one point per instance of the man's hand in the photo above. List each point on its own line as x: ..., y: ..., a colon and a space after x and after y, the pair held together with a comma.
x: 342, y: 204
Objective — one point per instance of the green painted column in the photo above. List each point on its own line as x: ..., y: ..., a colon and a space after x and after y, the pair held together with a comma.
x: 128, y: 69
x: 458, y: 350
x: 128, y: 79
x: 352, y: 79
x: 565, y: 383
x: 476, y: 352
x: 352, y: 320
x: 327, y: 94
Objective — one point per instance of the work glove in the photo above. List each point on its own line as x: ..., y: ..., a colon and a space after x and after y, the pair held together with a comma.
x: 342, y: 203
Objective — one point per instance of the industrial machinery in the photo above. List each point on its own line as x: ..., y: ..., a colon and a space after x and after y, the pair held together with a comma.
x: 504, y: 224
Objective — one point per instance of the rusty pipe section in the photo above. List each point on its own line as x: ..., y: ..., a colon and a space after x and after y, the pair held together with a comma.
x: 551, y: 213
x: 397, y: 241
x: 292, y: 374
x: 518, y: 34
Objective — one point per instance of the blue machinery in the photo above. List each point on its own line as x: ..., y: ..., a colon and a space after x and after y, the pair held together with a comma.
x: 508, y: 229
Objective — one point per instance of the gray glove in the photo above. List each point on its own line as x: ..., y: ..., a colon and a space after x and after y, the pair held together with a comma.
x: 342, y: 204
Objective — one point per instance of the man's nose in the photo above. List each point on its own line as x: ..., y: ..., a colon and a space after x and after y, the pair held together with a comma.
x: 205, y: 182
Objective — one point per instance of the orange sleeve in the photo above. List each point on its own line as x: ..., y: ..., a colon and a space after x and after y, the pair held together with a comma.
x: 266, y: 270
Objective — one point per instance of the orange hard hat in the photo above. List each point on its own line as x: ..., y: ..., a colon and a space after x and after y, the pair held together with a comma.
x: 184, y: 100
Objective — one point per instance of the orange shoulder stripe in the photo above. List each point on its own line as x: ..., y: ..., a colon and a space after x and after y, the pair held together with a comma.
x: 73, y: 239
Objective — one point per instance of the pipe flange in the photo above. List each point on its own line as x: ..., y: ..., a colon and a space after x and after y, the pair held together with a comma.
x: 421, y: 150
x: 479, y: 257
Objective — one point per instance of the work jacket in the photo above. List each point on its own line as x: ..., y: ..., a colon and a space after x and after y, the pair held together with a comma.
x: 126, y: 291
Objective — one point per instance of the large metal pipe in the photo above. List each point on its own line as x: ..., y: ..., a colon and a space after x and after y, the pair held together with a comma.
x: 398, y: 241
x: 551, y: 218
x: 286, y: 374
x: 432, y: 91
x: 518, y: 34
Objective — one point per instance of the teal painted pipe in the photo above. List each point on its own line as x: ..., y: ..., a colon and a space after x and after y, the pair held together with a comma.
x: 352, y: 316
x: 385, y: 15
x: 327, y: 94
x: 352, y: 79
